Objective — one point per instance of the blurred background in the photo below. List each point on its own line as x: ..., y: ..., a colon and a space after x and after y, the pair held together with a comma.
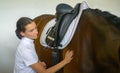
x: 12, y: 10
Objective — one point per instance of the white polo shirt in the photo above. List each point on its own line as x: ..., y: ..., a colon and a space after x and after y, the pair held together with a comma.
x: 25, y: 56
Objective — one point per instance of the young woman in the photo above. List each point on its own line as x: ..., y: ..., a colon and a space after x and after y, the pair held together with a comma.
x: 26, y: 59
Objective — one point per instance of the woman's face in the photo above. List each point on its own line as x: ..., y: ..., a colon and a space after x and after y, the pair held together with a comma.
x: 30, y: 31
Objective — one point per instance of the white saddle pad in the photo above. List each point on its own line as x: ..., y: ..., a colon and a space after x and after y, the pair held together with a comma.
x: 70, y: 32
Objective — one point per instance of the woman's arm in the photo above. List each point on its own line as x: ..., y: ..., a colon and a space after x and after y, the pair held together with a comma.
x: 41, y: 67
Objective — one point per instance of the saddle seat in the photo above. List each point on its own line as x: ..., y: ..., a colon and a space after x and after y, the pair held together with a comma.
x: 56, y: 34
x: 62, y: 9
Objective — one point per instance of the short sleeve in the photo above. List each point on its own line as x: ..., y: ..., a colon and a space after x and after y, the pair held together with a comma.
x: 29, y: 56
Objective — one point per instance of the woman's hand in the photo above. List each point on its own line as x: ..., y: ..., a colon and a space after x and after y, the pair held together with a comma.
x: 68, y: 56
x: 43, y: 64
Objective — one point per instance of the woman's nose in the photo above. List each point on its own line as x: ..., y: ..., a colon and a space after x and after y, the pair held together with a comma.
x: 36, y: 31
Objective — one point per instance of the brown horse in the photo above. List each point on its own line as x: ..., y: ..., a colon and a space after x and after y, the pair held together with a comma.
x: 96, y: 43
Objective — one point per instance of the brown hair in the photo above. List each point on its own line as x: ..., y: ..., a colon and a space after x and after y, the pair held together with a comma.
x: 20, y: 25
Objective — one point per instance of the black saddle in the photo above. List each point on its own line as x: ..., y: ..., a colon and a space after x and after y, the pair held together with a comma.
x: 62, y: 9
x: 64, y: 16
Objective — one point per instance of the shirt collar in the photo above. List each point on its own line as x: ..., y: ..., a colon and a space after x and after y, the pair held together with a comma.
x: 28, y: 39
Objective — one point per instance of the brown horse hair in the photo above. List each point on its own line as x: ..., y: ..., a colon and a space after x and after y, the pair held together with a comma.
x: 111, y: 18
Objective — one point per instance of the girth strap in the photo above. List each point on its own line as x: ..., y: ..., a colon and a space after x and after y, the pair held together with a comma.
x: 56, y: 55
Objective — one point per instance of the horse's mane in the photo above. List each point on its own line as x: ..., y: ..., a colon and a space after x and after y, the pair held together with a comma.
x: 115, y: 20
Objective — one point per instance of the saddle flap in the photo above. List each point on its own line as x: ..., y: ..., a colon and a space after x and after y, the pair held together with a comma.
x: 66, y: 20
